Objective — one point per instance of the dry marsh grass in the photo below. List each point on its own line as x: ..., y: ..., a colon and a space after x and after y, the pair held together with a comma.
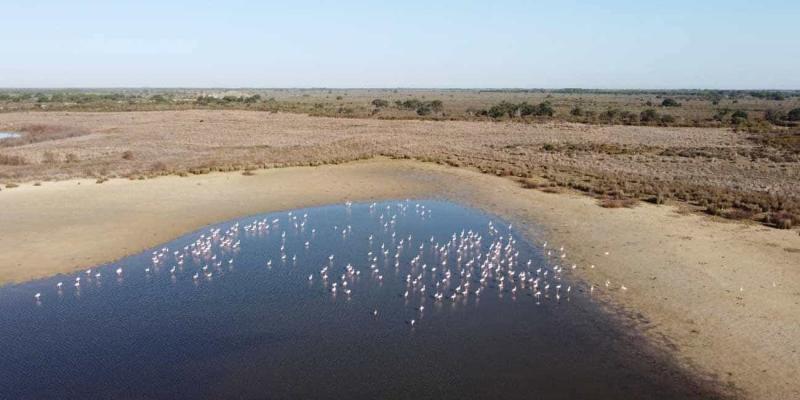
x: 720, y: 171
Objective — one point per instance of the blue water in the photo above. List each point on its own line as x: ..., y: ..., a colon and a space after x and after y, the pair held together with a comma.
x: 253, y: 325
x: 5, y: 135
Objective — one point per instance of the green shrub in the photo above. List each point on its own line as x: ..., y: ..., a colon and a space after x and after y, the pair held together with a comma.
x: 545, y: 109
x: 424, y: 109
x: 738, y: 117
x: 670, y: 103
x: 648, y: 116
x: 252, y: 99
x: 504, y: 108
x: 628, y: 117
x: 380, y: 103
x: 159, y: 98
x: 774, y: 116
x: 522, y: 110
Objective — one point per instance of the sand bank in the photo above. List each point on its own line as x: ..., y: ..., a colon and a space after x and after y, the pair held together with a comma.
x: 723, y: 297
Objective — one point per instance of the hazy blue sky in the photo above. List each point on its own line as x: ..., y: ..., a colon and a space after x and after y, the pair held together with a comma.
x: 591, y: 44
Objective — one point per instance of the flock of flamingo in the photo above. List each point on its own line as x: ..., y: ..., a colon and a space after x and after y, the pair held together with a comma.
x: 466, y: 265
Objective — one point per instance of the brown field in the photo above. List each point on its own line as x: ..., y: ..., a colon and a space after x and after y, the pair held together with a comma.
x: 719, y: 171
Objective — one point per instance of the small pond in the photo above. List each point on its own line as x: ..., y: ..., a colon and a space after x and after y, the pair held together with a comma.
x: 8, y: 135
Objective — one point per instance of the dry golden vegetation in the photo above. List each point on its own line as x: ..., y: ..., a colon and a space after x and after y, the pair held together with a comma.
x: 729, y: 173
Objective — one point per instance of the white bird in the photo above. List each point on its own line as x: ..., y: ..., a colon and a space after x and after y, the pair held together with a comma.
x: 119, y: 271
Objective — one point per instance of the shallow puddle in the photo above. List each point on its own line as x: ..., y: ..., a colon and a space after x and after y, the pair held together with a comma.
x: 8, y: 135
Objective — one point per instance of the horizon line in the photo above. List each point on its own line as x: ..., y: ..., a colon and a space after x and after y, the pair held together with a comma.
x: 465, y: 88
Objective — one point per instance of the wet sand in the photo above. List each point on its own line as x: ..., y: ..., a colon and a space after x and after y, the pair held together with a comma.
x: 723, y: 297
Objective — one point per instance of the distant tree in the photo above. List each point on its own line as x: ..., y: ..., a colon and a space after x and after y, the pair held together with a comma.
x: 159, y: 98
x: 526, y: 109
x: 410, y: 104
x: 424, y: 109
x: 670, y: 103
x: 545, y: 109
x: 793, y: 114
x: 648, y: 116
x: 523, y: 109
x: 628, y: 117
x: 380, y: 103
x: 720, y: 115
x: 715, y: 96
x: 501, y: 109
x: 609, y: 115
x: 667, y: 119
x: 576, y: 111
x: 436, y: 105
x: 774, y: 116
x: 738, y: 117
x: 253, y: 99
x: 778, y: 96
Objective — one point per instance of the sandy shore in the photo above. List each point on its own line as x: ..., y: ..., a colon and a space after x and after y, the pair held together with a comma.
x: 723, y: 297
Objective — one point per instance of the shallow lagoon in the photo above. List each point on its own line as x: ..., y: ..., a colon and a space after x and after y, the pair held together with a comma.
x: 265, y: 326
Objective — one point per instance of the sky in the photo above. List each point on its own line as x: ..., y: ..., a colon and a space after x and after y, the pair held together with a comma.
x: 615, y: 44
